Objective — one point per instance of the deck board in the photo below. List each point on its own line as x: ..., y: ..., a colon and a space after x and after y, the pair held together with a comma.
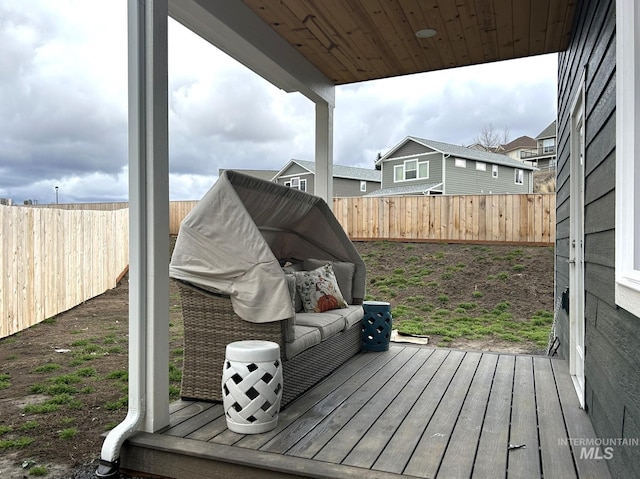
x: 407, y: 412
x: 491, y: 454
x: 459, y: 458
x: 365, y: 453
x: 429, y: 452
x: 523, y: 462
x: 401, y: 447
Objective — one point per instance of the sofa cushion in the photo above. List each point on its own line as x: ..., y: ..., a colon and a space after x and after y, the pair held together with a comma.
x: 304, y: 338
x: 344, y: 272
x: 297, y: 300
x: 328, y: 323
x: 319, y: 289
x: 352, y: 315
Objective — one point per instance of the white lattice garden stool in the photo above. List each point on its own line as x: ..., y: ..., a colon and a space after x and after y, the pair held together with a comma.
x: 252, y: 386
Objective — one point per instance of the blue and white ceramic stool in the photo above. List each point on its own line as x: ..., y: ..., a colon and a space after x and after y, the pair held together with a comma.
x: 252, y: 386
x: 376, y: 326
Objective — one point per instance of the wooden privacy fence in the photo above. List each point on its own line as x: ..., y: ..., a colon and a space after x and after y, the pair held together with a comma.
x: 529, y: 219
x: 465, y: 218
x: 54, y: 259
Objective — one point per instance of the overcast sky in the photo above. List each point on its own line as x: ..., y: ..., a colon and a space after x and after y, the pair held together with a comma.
x: 63, y: 103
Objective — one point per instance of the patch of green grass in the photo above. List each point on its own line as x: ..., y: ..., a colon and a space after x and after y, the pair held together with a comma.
x: 43, y: 408
x: 503, y: 275
x: 5, y: 382
x: 29, y: 425
x: 86, y: 372
x: 19, y: 443
x: 66, y: 379
x: 433, y: 284
x: 178, y: 351
x: 67, y: 420
x: 38, y: 471
x: 79, y: 343
x: 51, y: 320
x: 68, y: 433
x: 174, y: 392
x: 5, y: 429
x: 477, y: 294
x: 446, y: 276
x: 86, y: 390
x: 443, y: 298
x: 518, y: 267
x: 175, y: 373
x: 467, y: 306
x: 11, y: 357
x: 47, y: 368
x: 117, y: 405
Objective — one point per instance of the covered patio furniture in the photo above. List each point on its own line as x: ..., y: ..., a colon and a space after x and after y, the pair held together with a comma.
x: 228, y: 260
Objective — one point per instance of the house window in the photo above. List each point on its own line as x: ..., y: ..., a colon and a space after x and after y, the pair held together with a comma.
x: 519, y: 176
x: 460, y: 163
x: 411, y: 170
x: 627, y: 210
x: 494, y: 171
x: 480, y: 166
x: 297, y: 184
x: 548, y: 145
x: 363, y: 186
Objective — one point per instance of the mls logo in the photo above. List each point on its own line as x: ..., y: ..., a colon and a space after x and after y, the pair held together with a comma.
x: 596, y: 452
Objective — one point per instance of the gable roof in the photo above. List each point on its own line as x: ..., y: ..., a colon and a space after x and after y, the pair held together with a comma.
x: 548, y: 132
x: 460, y: 152
x: 339, y: 171
x: 523, y: 141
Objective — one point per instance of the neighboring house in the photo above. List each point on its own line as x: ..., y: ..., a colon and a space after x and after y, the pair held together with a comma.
x: 598, y: 222
x: 347, y: 180
x: 520, y: 146
x: 417, y: 166
x: 544, y: 153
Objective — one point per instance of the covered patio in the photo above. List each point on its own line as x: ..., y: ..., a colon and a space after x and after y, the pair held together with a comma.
x: 408, y: 412
x: 416, y: 412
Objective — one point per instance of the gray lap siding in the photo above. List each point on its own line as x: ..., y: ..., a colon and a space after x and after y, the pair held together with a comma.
x: 612, y: 335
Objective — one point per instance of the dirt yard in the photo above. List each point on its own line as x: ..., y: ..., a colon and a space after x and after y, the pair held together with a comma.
x: 63, y: 383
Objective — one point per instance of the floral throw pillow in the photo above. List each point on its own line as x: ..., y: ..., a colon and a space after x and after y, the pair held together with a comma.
x: 319, y: 289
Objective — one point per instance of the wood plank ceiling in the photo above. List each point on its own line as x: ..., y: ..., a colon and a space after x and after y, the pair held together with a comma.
x: 357, y: 40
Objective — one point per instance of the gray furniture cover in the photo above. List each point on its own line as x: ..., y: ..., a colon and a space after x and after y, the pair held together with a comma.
x: 238, y: 235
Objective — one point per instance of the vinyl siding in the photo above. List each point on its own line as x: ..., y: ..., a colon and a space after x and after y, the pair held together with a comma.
x: 302, y: 175
x: 612, y: 336
x: 470, y: 181
x: 343, y: 187
x: 435, y: 169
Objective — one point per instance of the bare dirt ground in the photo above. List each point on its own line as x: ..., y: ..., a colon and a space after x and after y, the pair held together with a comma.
x: 75, y: 365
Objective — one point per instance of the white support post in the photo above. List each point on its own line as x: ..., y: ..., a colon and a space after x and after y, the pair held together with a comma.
x: 148, y: 230
x: 149, y: 215
x: 324, y: 152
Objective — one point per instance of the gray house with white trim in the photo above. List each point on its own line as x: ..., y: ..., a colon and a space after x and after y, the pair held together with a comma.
x: 347, y: 180
x: 419, y: 166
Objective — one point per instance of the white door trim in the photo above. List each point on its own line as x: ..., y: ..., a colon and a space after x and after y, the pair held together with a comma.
x: 576, y: 244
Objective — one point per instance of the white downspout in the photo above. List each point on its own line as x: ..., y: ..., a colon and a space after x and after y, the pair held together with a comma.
x: 148, y: 229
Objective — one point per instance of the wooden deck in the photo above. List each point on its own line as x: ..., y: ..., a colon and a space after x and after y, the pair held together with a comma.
x: 407, y: 412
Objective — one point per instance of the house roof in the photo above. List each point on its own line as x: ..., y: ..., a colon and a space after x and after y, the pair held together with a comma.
x: 520, y: 142
x: 461, y: 152
x: 405, y: 190
x: 339, y: 171
x: 548, y: 132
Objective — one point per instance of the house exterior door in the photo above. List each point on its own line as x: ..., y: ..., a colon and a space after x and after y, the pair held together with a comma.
x: 576, y: 244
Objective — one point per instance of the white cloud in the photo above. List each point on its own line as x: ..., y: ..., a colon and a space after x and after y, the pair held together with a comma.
x: 63, y: 91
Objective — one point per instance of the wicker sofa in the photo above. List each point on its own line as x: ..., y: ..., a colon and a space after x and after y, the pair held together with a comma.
x: 309, y: 352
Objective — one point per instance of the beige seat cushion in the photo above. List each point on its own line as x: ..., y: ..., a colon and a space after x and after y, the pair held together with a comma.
x: 305, y: 337
x: 329, y: 323
x: 352, y: 315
